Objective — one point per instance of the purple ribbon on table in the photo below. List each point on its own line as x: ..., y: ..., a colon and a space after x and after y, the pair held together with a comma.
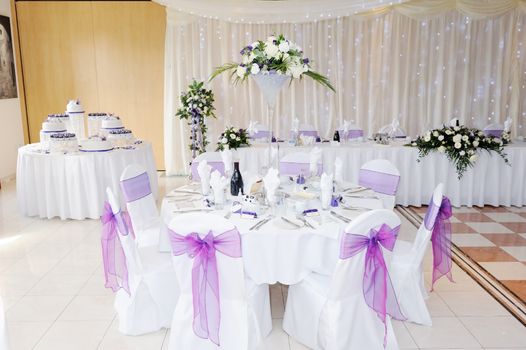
x: 114, y: 260
x: 136, y: 187
x: 377, y: 288
x: 378, y: 181
x: 441, y: 242
x: 351, y: 134
x: 205, y: 279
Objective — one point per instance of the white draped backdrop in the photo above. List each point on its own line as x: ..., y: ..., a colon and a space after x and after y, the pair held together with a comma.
x: 422, y: 62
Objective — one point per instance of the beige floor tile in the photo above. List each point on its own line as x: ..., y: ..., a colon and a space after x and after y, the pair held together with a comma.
x: 25, y: 335
x: 69, y: 335
x: 403, y: 337
x: 277, y: 339
x: 59, y: 284
x: 488, y: 227
x: 497, y: 331
x: 446, y: 332
x: 114, y: 340
x: 506, y: 270
x: 89, y: 308
x: 471, y: 240
x: 473, y: 303
x: 518, y: 253
x: 38, y: 308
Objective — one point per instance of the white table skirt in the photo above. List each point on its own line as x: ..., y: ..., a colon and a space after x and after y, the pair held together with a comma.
x: 490, y: 182
x: 73, y: 186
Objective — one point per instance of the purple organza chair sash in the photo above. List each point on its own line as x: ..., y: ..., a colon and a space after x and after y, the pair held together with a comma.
x: 263, y: 134
x: 431, y: 215
x: 312, y: 133
x: 219, y: 166
x: 136, y: 187
x: 494, y: 133
x: 379, y: 182
x: 350, y: 134
x: 441, y: 242
x: 292, y: 168
x: 205, y: 279
x: 378, y: 290
x: 114, y: 260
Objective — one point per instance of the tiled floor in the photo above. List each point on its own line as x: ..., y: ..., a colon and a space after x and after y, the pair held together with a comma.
x: 52, y: 286
x: 496, y: 239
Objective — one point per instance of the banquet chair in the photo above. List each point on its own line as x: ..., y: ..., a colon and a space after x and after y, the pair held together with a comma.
x: 397, y: 133
x: 353, y: 132
x: 222, y: 309
x: 406, y: 266
x: 4, y: 344
x: 297, y: 163
x: 140, y: 203
x: 494, y: 129
x: 331, y: 312
x: 308, y: 130
x: 212, y: 158
x: 262, y: 134
x: 383, y: 178
x: 143, y: 279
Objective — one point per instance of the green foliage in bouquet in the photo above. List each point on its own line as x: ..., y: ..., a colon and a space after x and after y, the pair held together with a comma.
x: 232, y: 138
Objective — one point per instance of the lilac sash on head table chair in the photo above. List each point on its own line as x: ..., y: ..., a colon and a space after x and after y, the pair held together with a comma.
x: 213, y: 159
x: 494, y: 130
x: 261, y: 134
x: 350, y: 134
x: 381, y: 176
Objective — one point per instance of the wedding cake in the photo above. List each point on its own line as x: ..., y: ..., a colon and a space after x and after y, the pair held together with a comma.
x: 121, y: 137
x: 95, y: 122
x: 63, y: 143
x: 95, y: 144
x: 49, y: 128
x: 64, y: 118
x: 76, y: 118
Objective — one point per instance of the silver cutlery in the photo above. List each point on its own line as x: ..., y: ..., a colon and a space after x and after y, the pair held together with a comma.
x: 354, y: 208
x: 305, y: 222
x: 264, y: 222
x: 227, y: 215
x: 365, y: 197
x: 290, y: 222
x: 256, y: 225
x: 182, y: 211
x: 181, y: 191
x: 341, y: 217
x: 355, y: 189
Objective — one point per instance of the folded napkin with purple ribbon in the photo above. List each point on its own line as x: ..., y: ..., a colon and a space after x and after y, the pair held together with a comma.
x: 204, y: 170
x: 326, y: 190
x: 226, y: 156
x: 271, y: 182
x: 314, y: 160
x: 338, y: 171
x: 218, y: 184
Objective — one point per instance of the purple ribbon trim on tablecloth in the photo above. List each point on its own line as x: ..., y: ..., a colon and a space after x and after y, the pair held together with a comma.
x: 441, y: 242
x: 350, y: 134
x: 205, y: 278
x: 292, y: 168
x: 378, y: 290
x: 114, y: 260
x: 312, y: 133
x: 219, y: 166
x: 494, y: 133
x: 379, y: 182
x: 263, y: 134
x: 136, y: 187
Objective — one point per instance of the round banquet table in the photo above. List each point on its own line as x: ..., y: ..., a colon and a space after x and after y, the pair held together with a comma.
x: 276, y: 252
x: 73, y: 185
x: 489, y: 182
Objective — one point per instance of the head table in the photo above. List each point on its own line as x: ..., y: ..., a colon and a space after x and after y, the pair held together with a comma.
x: 73, y: 185
x: 489, y: 182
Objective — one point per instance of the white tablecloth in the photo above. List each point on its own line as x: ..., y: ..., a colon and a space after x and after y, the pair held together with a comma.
x: 73, y: 186
x: 491, y: 181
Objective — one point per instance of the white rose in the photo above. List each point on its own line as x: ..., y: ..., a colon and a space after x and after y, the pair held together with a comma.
x: 284, y: 47
x: 413, y: 144
x: 457, y: 128
x: 428, y: 134
x: 232, y: 136
x: 473, y: 158
x: 465, y: 138
x: 427, y: 138
x: 271, y: 50
x: 254, y: 44
x: 238, y: 138
x: 440, y: 137
x: 458, y: 145
x: 435, y: 133
x: 245, y: 59
x: 271, y: 38
x: 296, y: 71
x: 224, y: 140
x: 441, y: 149
x: 457, y: 138
x: 481, y: 133
x: 305, y: 68
x: 254, y: 69
x: 241, y: 71
x: 462, y: 153
x: 251, y: 57
x: 448, y: 132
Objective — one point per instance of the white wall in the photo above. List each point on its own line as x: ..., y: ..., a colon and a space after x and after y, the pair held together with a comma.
x: 11, y: 136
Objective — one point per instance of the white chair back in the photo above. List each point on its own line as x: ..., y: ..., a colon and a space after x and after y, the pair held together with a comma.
x: 494, y: 129
x: 353, y: 132
x: 396, y: 133
x: 262, y: 133
x: 213, y: 159
x: 140, y: 202
x: 232, y: 292
x: 297, y: 163
x: 382, y: 177
x: 308, y: 130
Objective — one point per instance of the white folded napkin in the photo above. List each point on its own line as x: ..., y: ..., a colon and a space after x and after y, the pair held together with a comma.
x: 295, y: 127
x: 249, y: 179
x: 253, y: 127
x: 507, y: 124
x: 346, y: 126
x: 453, y: 122
x: 203, y: 169
x: 338, y: 171
x: 226, y: 156
x: 326, y: 190
x: 315, y: 159
x: 271, y: 182
x: 218, y: 184
x: 307, y: 140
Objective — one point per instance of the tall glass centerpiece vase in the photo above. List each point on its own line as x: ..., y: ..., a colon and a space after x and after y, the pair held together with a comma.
x: 270, y: 84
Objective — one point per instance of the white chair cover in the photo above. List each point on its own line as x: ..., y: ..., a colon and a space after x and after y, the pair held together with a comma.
x: 213, y: 159
x: 406, y: 267
x: 393, y: 132
x: 152, y: 284
x: 353, y: 132
x: 4, y: 344
x: 308, y: 130
x: 245, y: 318
x: 140, y: 203
x: 297, y: 163
x: 494, y: 129
x: 383, y: 178
x: 260, y: 132
x: 330, y: 312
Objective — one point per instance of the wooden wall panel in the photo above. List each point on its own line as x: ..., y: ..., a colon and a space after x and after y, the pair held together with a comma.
x: 110, y: 54
x: 58, y: 58
x: 130, y: 65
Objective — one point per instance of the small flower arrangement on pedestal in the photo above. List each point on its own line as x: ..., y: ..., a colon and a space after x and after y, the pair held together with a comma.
x: 197, y: 104
x: 460, y: 144
x: 232, y: 138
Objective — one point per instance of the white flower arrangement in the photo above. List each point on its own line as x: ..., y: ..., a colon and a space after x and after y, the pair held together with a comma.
x: 274, y: 55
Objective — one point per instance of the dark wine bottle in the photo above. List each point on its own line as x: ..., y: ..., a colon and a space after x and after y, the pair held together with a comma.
x: 236, y: 183
x: 336, y: 136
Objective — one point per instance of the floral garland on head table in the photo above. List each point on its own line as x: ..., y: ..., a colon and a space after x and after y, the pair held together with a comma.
x: 276, y: 54
x: 197, y: 104
x: 232, y: 138
x: 460, y: 144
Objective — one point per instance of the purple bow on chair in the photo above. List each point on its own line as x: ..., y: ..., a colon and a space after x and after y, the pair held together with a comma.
x: 205, y: 279
x: 441, y: 242
x: 115, y: 268
x: 377, y: 288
